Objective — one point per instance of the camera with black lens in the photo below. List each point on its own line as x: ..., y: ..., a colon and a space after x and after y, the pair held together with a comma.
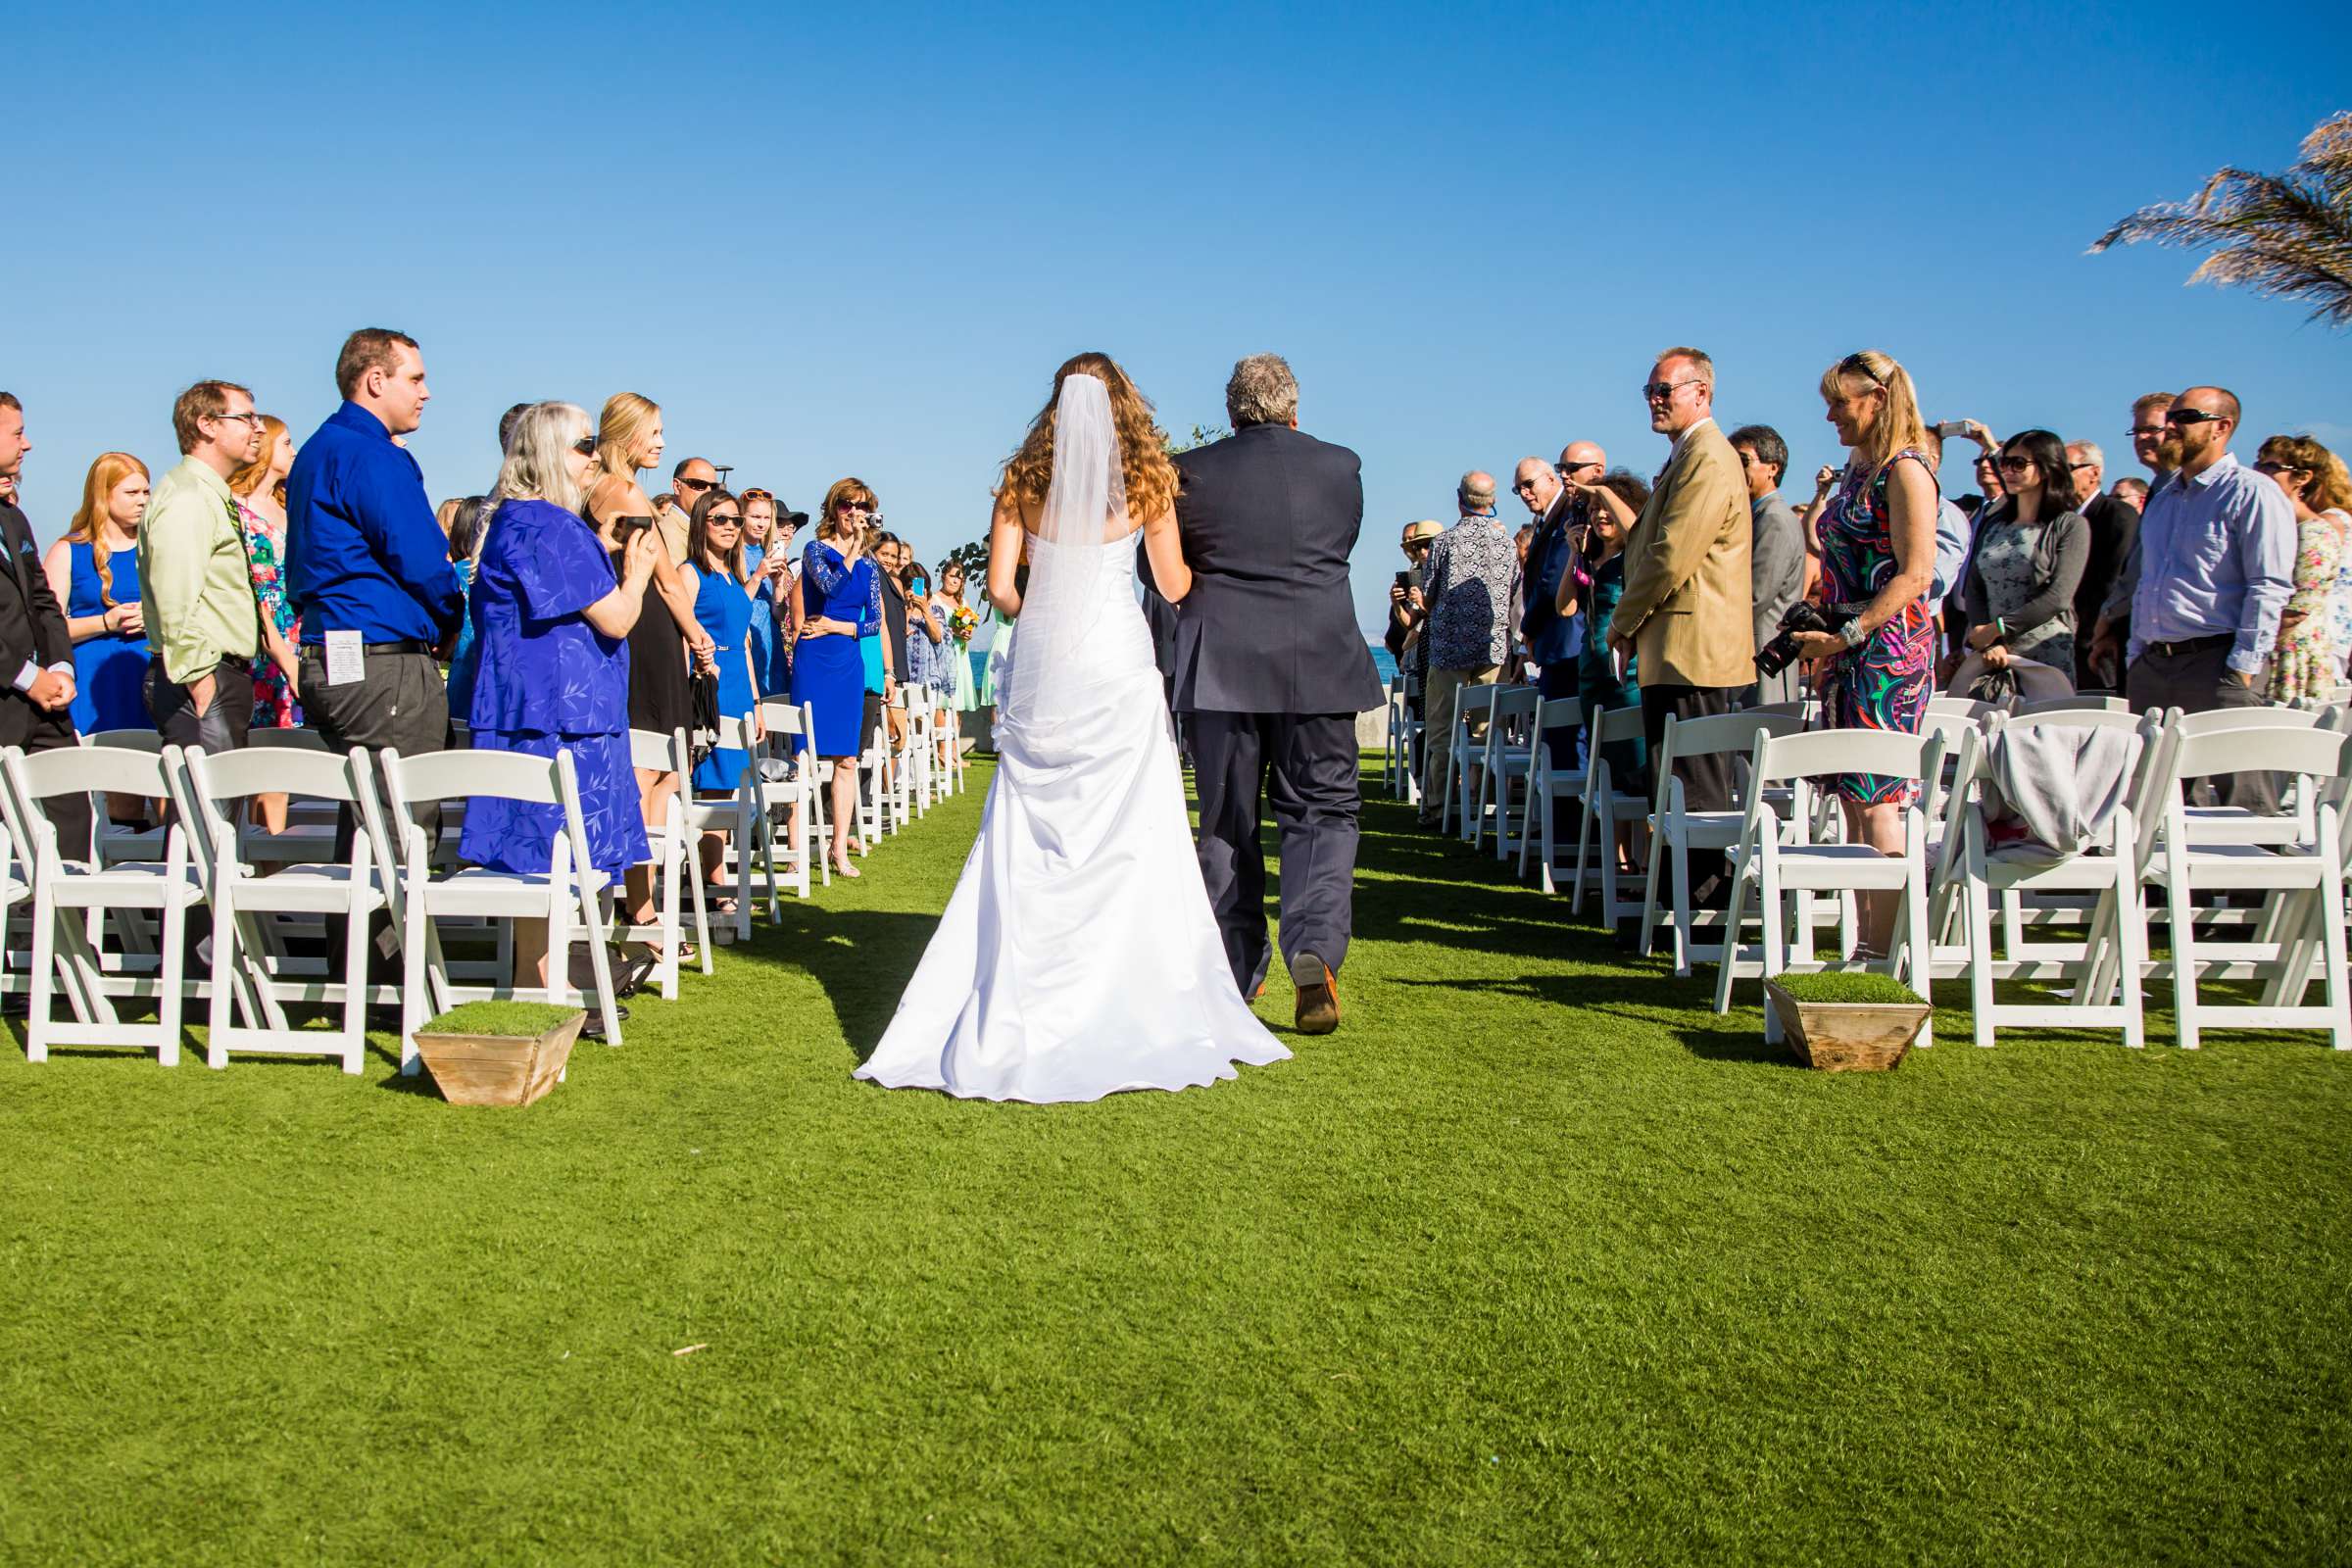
x: 1804, y: 616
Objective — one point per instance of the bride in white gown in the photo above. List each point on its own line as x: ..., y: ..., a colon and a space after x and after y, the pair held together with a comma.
x: 1078, y: 956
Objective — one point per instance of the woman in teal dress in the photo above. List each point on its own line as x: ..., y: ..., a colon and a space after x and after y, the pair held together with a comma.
x: 723, y: 606
x: 94, y: 573
x: 1612, y: 505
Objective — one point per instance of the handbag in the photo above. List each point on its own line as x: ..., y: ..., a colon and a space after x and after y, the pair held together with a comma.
x: 704, y: 688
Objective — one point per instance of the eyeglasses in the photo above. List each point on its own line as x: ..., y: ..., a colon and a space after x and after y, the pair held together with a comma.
x: 1522, y: 484
x: 2147, y: 429
x: 2078, y: 467
x: 585, y: 446
x: 2193, y: 416
x: 250, y: 417
x: 723, y: 520
x: 696, y: 484
x: 2274, y: 467
x: 1664, y: 391
x: 2015, y: 465
x: 758, y: 495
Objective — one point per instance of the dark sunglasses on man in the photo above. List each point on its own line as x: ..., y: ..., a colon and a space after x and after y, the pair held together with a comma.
x: 696, y: 484
x: 2187, y: 417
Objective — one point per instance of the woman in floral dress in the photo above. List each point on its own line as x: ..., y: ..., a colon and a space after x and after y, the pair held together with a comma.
x: 2307, y: 663
x: 1876, y: 519
x: 260, y: 487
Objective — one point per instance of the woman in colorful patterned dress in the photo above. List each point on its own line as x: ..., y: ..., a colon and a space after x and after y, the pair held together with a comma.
x: 2307, y: 662
x: 260, y: 487
x: 1876, y: 519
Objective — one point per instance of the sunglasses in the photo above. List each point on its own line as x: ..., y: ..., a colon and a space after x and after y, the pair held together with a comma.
x: 1663, y: 391
x: 2015, y: 465
x: 696, y: 484
x: 585, y: 446
x: 2193, y: 416
x: 1564, y: 469
x: 2078, y: 467
x: 723, y: 520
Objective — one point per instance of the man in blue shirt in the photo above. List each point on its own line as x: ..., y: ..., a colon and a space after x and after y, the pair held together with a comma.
x: 2217, y: 564
x: 367, y: 566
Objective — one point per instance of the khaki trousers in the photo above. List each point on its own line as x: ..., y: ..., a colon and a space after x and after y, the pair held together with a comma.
x: 1441, y: 697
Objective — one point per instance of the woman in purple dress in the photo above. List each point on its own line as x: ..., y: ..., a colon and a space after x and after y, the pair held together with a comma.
x: 550, y: 624
x: 1877, y: 521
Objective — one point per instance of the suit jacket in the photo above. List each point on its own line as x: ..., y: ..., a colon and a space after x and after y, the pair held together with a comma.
x: 1550, y: 637
x: 31, y: 626
x: 1268, y: 518
x: 1688, y: 600
x: 2114, y: 531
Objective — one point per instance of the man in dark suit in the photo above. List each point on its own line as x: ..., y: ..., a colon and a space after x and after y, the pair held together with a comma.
x: 37, y: 654
x: 2114, y: 529
x: 1270, y: 673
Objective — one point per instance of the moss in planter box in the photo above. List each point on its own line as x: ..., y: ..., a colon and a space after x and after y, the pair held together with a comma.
x: 1883, y: 990
x: 505, y: 1020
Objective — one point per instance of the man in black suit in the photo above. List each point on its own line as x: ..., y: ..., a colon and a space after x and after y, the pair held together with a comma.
x: 37, y: 654
x: 1270, y: 672
x: 2114, y: 528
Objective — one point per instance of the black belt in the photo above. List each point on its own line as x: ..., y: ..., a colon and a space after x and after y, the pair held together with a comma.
x: 411, y: 646
x: 2192, y: 645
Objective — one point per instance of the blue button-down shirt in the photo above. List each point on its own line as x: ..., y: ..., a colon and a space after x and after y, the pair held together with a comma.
x: 1953, y: 533
x: 1551, y: 637
x: 362, y: 551
x: 2216, y: 555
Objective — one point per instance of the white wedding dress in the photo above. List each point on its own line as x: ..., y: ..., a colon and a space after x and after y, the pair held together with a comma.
x: 1078, y: 956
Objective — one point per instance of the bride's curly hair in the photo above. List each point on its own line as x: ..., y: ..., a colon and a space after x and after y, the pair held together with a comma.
x: 1143, y: 445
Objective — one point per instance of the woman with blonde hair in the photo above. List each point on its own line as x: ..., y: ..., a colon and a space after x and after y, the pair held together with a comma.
x: 94, y: 573
x: 1877, y: 521
x: 260, y: 487
x: 663, y: 640
x: 2308, y: 662
x: 1078, y: 956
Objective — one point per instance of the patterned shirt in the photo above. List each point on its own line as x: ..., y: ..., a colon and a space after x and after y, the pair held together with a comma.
x: 1472, y: 567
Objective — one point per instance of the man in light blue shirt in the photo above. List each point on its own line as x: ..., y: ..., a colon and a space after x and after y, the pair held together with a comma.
x: 2216, y: 561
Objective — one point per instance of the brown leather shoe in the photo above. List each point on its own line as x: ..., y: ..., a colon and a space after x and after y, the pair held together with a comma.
x: 1318, y: 999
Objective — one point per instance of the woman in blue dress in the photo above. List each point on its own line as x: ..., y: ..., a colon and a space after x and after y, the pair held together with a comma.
x: 761, y: 554
x: 551, y: 623
x: 94, y: 573
x: 724, y: 608
x: 841, y: 598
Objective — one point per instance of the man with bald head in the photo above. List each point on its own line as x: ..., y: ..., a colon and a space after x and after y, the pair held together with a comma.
x: 1467, y: 588
x: 690, y: 481
x: 2216, y: 561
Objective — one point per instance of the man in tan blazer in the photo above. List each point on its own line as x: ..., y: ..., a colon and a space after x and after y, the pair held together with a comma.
x: 1687, y: 609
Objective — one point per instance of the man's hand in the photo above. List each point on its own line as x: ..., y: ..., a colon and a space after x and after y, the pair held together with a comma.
x: 199, y: 694
x: 2245, y: 677
x: 1620, y: 643
x: 1983, y: 637
x: 51, y: 691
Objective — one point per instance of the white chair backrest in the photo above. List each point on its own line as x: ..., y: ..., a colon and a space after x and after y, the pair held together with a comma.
x: 1561, y: 713
x: 2229, y: 721
x: 1736, y: 733
x: 2071, y: 703
x: 786, y: 719
x: 1961, y: 705
x: 655, y: 752
x: 733, y: 734
x: 128, y: 740
x: 93, y: 769
x: 1479, y: 699
x: 1805, y: 708
x: 1615, y: 725
x: 2312, y: 753
x: 287, y: 740
x: 2069, y: 718
x: 241, y: 774
x: 1516, y: 702
x: 1889, y: 752
x: 457, y: 776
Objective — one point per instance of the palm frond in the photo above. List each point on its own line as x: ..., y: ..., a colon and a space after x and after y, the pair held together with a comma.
x: 2288, y: 235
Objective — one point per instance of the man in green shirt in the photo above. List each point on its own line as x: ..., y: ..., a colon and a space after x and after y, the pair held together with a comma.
x: 196, y: 589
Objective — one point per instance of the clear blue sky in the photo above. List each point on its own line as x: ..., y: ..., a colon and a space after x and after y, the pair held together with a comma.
x: 858, y: 239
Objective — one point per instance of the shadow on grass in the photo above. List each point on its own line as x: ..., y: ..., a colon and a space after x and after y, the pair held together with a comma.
x: 860, y: 958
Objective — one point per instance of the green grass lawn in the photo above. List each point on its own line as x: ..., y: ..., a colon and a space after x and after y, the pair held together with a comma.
x: 1536, y: 1261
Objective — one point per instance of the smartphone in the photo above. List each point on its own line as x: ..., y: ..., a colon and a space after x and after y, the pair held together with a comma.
x: 1948, y: 428
x: 623, y: 527
x: 1404, y: 581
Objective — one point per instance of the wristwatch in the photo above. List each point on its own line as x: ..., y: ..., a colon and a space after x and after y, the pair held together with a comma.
x: 1852, y: 634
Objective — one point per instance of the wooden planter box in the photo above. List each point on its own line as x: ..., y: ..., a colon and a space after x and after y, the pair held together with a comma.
x: 499, y: 1069
x: 1847, y: 1036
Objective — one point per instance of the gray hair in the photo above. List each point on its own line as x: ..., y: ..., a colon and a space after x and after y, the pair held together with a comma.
x: 2087, y: 452
x: 1699, y: 362
x: 534, y: 469
x: 1261, y: 391
x: 1477, y: 485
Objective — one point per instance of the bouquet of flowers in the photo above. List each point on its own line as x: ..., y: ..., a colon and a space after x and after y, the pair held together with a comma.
x: 962, y: 624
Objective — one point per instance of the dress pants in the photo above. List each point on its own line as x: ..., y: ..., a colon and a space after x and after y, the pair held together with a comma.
x: 226, y: 719
x: 1441, y: 693
x: 399, y: 702
x: 2197, y: 679
x: 1706, y: 780
x: 1307, y: 764
x: 1558, y: 679
x: 34, y: 730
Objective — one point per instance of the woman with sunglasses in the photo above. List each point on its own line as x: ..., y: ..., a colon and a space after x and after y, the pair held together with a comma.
x: 2032, y: 547
x: 724, y: 608
x: 842, y: 602
x: 2308, y: 661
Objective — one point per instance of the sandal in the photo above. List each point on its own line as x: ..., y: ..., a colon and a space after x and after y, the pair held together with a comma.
x: 842, y: 868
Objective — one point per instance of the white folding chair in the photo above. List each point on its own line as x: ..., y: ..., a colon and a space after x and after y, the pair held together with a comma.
x: 1509, y: 757
x: 1472, y: 706
x: 678, y: 868
x: 1609, y: 801
x: 1676, y: 831
x: 796, y: 795
x: 913, y: 761
x: 1779, y: 860
x: 2295, y: 877
x: 1411, y: 736
x: 739, y: 816
x: 1965, y: 708
x: 878, y: 802
x: 16, y: 883
x: 1551, y: 783
x: 253, y: 973
x: 2236, y: 824
x: 70, y: 900
x: 127, y: 739
x: 285, y: 740
x: 2098, y: 888
x: 567, y: 896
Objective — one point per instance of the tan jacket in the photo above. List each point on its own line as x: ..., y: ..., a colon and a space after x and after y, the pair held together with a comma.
x: 1687, y: 594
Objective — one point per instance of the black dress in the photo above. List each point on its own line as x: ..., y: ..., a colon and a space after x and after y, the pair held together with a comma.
x: 658, y: 696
